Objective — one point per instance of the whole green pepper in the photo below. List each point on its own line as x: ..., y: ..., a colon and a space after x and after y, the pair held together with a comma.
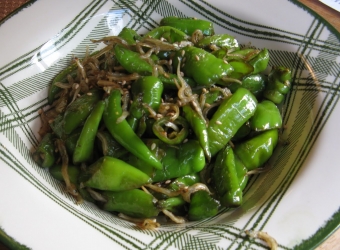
x: 73, y: 173
x: 189, y: 25
x: 233, y: 112
x: 129, y: 35
x: 267, y: 116
x: 109, y: 146
x: 131, y: 61
x: 254, y: 83
x: 112, y: 174
x: 85, y: 143
x: 199, y: 127
x: 186, y: 180
x: 71, y: 141
x: 145, y: 90
x: 257, y: 150
x: 201, y: 66
x: 174, y: 204
x: 171, y: 34
x: 44, y: 154
x: 221, y: 40
x: 178, y: 160
x: 135, y: 203
x: 278, y: 84
x: 225, y: 178
x: 260, y: 61
x: 202, y: 206
x: 78, y: 111
x: 123, y: 133
x: 241, y: 69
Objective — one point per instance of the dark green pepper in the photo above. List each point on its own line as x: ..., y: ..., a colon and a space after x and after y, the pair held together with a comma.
x: 225, y: 178
x: 257, y: 150
x: 254, y: 83
x: 186, y: 180
x: 278, y: 84
x: 112, y: 174
x: 220, y: 40
x: 189, y: 25
x: 174, y: 204
x: 85, y: 144
x: 178, y: 160
x: 229, y: 117
x: 123, y: 133
x: 135, y: 203
x: 73, y: 173
x: 44, y: 154
x: 202, y: 206
x: 109, y: 146
x: 78, y: 111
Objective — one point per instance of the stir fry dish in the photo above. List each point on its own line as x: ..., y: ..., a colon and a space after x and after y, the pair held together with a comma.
x: 172, y: 122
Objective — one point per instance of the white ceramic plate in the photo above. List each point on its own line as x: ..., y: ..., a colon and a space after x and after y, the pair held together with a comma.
x: 297, y: 202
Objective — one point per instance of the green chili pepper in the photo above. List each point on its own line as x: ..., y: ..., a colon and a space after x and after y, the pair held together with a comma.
x: 167, y: 134
x: 278, y: 84
x: 109, y: 146
x: 260, y: 61
x: 229, y: 117
x: 57, y: 126
x: 242, y: 173
x: 267, y: 116
x: 129, y: 35
x: 254, y: 83
x: 135, y: 203
x: 171, y: 34
x: 199, y: 127
x: 203, y: 67
x: 44, y: 154
x: 131, y: 61
x: 225, y: 178
x: 168, y: 81
x: 70, y: 141
x: 85, y: 144
x: 186, y: 180
x: 112, y: 174
x: 221, y: 40
x: 257, y: 150
x: 61, y: 77
x: 242, y: 132
x: 241, y: 69
x: 146, y: 90
x: 123, y: 133
x: 189, y: 25
x: 178, y: 160
x: 73, y: 173
x: 173, y: 204
x: 202, y: 206
x: 77, y: 112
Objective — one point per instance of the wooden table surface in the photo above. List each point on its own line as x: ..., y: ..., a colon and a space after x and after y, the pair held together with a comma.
x: 329, y: 14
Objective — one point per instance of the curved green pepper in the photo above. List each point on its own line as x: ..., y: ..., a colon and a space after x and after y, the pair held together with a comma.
x: 171, y: 34
x: 202, y: 66
x: 186, y: 180
x: 202, y: 206
x: 278, y: 84
x: 221, y: 40
x: 78, y: 111
x: 229, y: 117
x: 135, y: 203
x: 131, y: 61
x: 225, y: 178
x: 260, y: 61
x: 112, y: 174
x: 173, y: 204
x: 73, y: 173
x: 199, y: 127
x: 257, y: 150
x: 123, y: 133
x: 254, y: 83
x: 179, y: 160
x: 85, y: 143
x: 109, y: 146
x: 173, y: 137
x: 189, y: 25
x: 129, y: 35
x: 267, y: 116
x: 44, y: 155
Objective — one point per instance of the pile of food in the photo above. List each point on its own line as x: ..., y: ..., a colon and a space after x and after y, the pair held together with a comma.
x: 172, y: 122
